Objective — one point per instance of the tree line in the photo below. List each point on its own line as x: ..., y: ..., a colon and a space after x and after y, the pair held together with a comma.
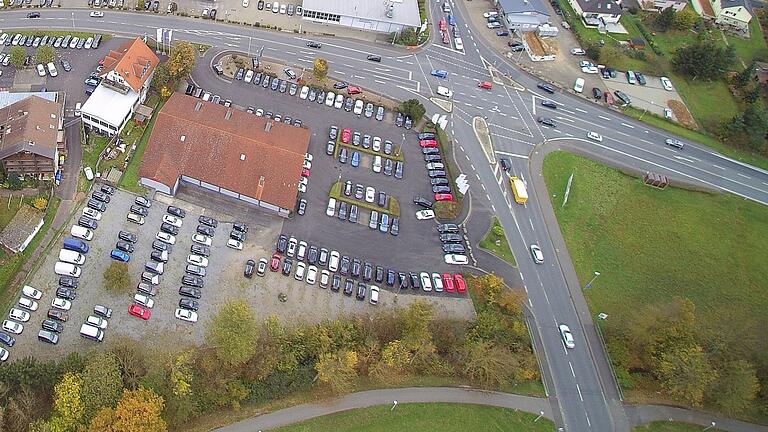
x: 130, y: 386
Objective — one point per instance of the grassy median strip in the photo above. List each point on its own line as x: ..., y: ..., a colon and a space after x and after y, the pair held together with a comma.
x: 393, y: 209
x: 496, y: 235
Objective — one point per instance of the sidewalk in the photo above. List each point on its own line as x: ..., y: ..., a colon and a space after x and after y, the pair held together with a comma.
x: 641, y: 414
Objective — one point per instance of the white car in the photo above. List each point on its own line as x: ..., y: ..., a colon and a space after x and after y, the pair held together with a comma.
x: 437, y: 282
x: 60, y: 303
x: 18, y: 315
x: 28, y: 304
x: 301, y: 268
x: 40, y: 69
x: 594, y: 136
x: 358, y: 107
x: 457, y: 259
x: 303, y: 182
x: 185, y: 315
x: 307, y: 164
x: 311, y: 275
x: 333, y: 262
x: 308, y: 157
x: 376, y: 166
x: 4, y: 354
x: 12, y: 327
x: 201, y: 239
x: 165, y: 238
x: 304, y: 93
x: 31, y: 292
x: 444, y: 91
x: 331, y: 209
x: 490, y: 14
x: 329, y: 98
x: 666, y: 83
x: 245, y: 3
x: 172, y: 220
x: 91, y: 213
x: 97, y: 14
x: 259, y: 112
x: 590, y: 69
x: 301, y: 252
x: 370, y: 194
x: 283, y: 8
x: 98, y: 322
x: 339, y: 101
x: 292, y: 243
x: 376, y: 144
x: 275, y: 7
x: 425, y: 214
x: 235, y: 244
x: 52, y: 69
x: 374, y: 295
x: 538, y: 256
x: 578, y: 51
x: 565, y: 334
x: 88, y: 173
x: 197, y: 260
x: 325, y: 277
x: 143, y: 300
x: 578, y: 86
x: 426, y: 282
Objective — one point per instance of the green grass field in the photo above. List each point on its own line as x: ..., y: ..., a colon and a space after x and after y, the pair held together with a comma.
x: 750, y: 49
x: 663, y: 426
x: 502, y: 250
x: 425, y: 417
x: 652, y: 245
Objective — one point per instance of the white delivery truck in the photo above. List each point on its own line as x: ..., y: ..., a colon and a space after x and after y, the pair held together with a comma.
x: 67, y: 269
x: 72, y: 257
x: 81, y: 232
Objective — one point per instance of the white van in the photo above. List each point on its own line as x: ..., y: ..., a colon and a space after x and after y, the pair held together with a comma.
x: 81, y: 232
x: 67, y: 269
x: 459, y: 43
x: 90, y: 332
x: 72, y: 257
x: 444, y: 91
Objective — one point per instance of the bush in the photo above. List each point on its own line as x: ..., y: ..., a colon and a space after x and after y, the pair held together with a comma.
x: 446, y: 210
x: 40, y: 203
x: 14, y: 181
x: 117, y: 278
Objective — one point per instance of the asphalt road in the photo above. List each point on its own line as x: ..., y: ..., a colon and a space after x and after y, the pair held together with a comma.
x: 583, y: 388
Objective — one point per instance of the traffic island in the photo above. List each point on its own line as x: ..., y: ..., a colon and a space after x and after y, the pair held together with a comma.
x: 483, y: 135
x: 443, y: 104
x: 501, y: 79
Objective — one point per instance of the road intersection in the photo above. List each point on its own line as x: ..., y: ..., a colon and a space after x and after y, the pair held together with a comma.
x: 582, y: 389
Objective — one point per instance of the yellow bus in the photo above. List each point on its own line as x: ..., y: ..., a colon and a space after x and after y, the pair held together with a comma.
x: 518, y: 188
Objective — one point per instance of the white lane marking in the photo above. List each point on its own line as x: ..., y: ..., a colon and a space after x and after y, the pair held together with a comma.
x: 579, y: 110
x: 379, y: 81
x: 531, y: 222
x: 718, y: 166
x: 628, y: 125
x: 579, y: 390
x: 588, y: 422
x: 572, y: 372
x: 603, y: 117
x: 742, y: 175
x: 566, y: 119
x: 493, y: 207
x: 512, y: 154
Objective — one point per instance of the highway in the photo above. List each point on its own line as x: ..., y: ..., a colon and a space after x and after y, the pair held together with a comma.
x: 584, y: 392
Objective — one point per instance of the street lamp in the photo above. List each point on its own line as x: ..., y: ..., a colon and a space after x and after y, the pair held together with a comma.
x: 589, y: 284
x: 709, y: 427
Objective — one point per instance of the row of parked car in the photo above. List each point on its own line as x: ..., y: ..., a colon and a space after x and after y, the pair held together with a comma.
x: 62, y: 42
x: 436, y: 170
x: 378, y: 219
x: 348, y: 140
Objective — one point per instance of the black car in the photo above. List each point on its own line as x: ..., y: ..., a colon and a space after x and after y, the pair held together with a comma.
x: 374, y: 58
x: 546, y: 87
x: 287, y: 264
x: 312, y: 254
x: 447, y: 228
x: 139, y: 210
x: 438, y: 181
x: 124, y: 246
x: 344, y: 266
x: 140, y: 200
x: 65, y: 293
x: 322, y: 258
x: 428, y: 158
x: 399, y: 119
x: 58, y: 315
x: 69, y: 281
x: 422, y: 202
x: 516, y: 46
x: 190, y: 89
x: 205, y: 220
x: 161, y: 246
x: 454, y: 248
x: 237, y: 235
x: 356, y: 267
x: 128, y: 236
x: 402, y: 279
x: 194, y: 281
x: 107, y: 189
x: 348, y: 286
x: 33, y: 15
x: 200, y: 250
x: 168, y: 228
x: 505, y: 164
x: 176, y: 212
x: 302, y: 207
x: 96, y: 205
x: 360, y: 291
x: 546, y: 121
x: 408, y: 122
x: 450, y: 237
x: 597, y: 93
x: 336, y: 282
x: 189, y: 304
x: 7, y: 339
x: 549, y: 104
x: 367, y: 272
x: 240, y: 226
x: 53, y: 326
x: 441, y: 189
x: 282, y: 243
x: 379, y: 277
x: 250, y: 265
x: 382, y: 201
x: 349, y: 104
x: 427, y: 136
x: 87, y: 222
x: 205, y: 230
x: 240, y: 73
x: 159, y: 256
x: 187, y: 291
x: 390, y: 277
x: 430, y: 151
x: 415, y: 282
x: 338, y: 85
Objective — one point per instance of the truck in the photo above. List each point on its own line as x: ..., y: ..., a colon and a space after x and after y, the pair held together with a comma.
x: 518, y: 189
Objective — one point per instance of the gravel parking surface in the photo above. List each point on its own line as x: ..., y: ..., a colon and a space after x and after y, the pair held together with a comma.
x: 651, y: 97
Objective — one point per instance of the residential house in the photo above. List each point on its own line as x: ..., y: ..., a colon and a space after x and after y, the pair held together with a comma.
x: 660, y: 5
x: 734, y: 14
x: 523, y: 15
x: 598, y: 13
x: 30, y: 136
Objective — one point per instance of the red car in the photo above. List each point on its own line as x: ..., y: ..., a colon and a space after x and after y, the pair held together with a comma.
x: 448, y: 282
x: 345, y: 135
x: 428, y: 143
x: 274, y: 265
x: 139, y: 311
x: 305, y: 172
x: 485, y: 85
x: 461, y: 286
x: 443, y: 197
x: 353, y: 90
x: 442, y: 24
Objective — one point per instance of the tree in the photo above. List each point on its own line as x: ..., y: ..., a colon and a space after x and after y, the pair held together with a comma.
x: 18, y: 55
x: 685, y: 373
x: 40, y: 203
x: 744, y: 77
x: 594, y: 51
x: 181, y: 375
x: 117, y: 277
x: 102, y: 383
x: 736, y: 386
x: 685, y: 19
x: 704, y: 60
x: 337, y: 370
x: 487, y: 364
x: 415, y: 324
x: 44, y: 54
x: 488, y: 288
x: 137, y: 410
x: 161, y: 78
x: 412, y: 108
x: 181, y: 62
x: 664, y: 20
x: 408, y: 36
x: 130, y: 357
x: 68, y: 408
x: 749, y: 128
x: 320, y: 68
x: 233, y: 332
x: 14, y: 181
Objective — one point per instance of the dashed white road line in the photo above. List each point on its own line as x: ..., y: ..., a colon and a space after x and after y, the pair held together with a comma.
x: 603, y: 117
x: 628, y: 125
x: 742, y: 175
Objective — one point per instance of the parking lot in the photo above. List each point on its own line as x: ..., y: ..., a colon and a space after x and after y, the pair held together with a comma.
x: 651, y: 97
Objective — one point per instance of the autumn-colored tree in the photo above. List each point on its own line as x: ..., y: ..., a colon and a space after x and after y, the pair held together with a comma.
x: 232, y: 331
x: 488, y: 365
x: 18, y: 55
x: 415, y: 324
x: 68, y: 407
x: 685, y: 19
x: 181, y: 62
x: 488, y: 288
x: 44, y: 54
x: 181, y: 374
x: 40, y: 203
x: 137, y: 410
x: 685, y: 373
x: 736, y: 387
x: 511, y: 302
x: 102, y: 383
x: 337, y: 370
x: 320, y: 68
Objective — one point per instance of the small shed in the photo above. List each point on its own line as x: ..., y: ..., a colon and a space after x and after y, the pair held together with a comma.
x: 637, y: 43
x: 143, y: 113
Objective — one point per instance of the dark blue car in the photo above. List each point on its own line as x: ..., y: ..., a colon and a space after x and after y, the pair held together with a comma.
x: 355, y: 159
x: 119, y: 255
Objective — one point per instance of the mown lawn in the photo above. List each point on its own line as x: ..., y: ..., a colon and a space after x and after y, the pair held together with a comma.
x: 652, y: 246
x: 130, y: 178
x: 753, y: 48
x: 502, y: 250
x: 8, y: 208
x: 663, y: 426
x: 710, y: 102
x: 425, y: 417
